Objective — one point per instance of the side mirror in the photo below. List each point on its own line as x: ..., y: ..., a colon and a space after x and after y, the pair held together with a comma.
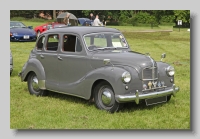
x: 163, y: 56
x: 30, y: 27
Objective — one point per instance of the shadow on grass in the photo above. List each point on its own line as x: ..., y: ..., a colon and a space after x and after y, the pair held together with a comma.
x: 127, y: 107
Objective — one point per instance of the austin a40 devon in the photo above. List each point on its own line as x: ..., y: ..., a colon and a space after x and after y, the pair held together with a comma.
x: 96, y: 63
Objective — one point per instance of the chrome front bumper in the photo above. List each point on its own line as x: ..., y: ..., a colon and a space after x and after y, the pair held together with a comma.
x: 136, y: 97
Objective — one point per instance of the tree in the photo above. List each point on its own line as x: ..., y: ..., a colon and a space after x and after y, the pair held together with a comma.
x: 183, y: 15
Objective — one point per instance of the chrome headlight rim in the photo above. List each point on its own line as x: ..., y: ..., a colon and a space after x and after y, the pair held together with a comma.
x: 126, y: 77
x: 170, y: 71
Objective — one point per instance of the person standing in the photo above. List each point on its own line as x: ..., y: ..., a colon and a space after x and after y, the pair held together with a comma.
x: 97, y: 21
x: 92, y: 17
x: 66, y: 19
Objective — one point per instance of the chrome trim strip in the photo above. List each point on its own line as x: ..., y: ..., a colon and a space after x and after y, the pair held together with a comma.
x: 149, y: 79
x: 66, y: 93
x: 136, y: 97
x: 41, y: 84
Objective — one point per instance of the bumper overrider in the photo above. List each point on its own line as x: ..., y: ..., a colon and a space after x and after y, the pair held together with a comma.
x: 136, y: 97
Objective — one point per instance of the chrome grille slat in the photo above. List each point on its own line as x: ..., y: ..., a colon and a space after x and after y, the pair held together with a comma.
x: 149, y: 73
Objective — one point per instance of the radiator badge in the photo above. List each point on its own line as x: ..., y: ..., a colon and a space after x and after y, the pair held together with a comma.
x: 149, y: 84
x: 159, y: 84
x: 154, y: 84
x: 163, y: 83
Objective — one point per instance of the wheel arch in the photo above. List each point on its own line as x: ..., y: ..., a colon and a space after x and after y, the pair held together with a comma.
x: 98, y: 81
x: 33, y: 65
x: 26, y: 77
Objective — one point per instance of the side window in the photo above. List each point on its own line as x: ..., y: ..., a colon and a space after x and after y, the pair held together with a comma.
x: 52, y: 42
x: 71, y: 44
x: 40, y: 43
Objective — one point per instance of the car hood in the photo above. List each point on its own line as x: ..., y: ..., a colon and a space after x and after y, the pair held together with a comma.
x: 122, y: 58
x: 22, y: 31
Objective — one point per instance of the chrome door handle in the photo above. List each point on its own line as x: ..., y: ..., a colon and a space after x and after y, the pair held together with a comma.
x: 59, y: 58
x: 41, y: 56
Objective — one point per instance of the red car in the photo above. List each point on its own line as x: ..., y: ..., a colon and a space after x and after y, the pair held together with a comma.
x: 44, y: 27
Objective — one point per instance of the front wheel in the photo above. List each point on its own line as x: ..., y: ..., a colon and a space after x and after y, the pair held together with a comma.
x: 104, y: 98
x: 33, y: 86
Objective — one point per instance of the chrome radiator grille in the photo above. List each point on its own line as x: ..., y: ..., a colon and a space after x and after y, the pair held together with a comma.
x: 150, y: 73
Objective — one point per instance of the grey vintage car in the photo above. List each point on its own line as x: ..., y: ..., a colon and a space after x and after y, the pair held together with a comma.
x: 96, y: 63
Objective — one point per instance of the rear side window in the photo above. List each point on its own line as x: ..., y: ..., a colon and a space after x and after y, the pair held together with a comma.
x: 40, y: 43
x: 52, y: 42
x: 71, y: 43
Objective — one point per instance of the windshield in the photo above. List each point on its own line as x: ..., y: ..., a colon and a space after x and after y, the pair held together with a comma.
x: 105, y: 41
x: 16, y: 24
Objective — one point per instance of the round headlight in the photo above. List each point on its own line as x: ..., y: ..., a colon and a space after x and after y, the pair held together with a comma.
x: 170, y: 70
x: 126, y: 77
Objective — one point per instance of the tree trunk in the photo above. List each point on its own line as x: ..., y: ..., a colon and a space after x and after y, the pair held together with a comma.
x: 54, y: 14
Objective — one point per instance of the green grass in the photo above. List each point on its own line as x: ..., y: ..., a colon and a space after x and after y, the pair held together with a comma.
x: 58, y: 111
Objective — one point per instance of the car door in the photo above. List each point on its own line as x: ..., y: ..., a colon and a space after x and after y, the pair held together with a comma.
x: 48, y: 56
x: 72, y: 65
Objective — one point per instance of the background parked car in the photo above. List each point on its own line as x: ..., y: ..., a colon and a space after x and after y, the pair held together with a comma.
x: 11, y: 62
x: 57, y: 25
x: 41, y: 28
x: 21, y: 32
x: 85, y: 21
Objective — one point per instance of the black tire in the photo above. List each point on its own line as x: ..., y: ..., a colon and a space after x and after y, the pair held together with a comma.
x: 99, y: 94
x: 38, y: 33
x: 33, y: 86
x: 168, y: 98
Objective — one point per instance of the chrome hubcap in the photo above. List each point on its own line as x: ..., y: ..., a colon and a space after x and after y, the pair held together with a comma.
x: 35, y: 83
x: 106, y: 97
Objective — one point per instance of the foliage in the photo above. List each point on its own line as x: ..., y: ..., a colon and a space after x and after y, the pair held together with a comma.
x: 30, y: 20
x: 183, y: 15
x: 143, y: 18
x: 167, y: 19
x: 124, y: 17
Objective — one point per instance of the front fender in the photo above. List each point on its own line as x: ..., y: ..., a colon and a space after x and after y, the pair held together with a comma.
x: 163, y: 75
x: 113, y: 75
x: 33, y: 65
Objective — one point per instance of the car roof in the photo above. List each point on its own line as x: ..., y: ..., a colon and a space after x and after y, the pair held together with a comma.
x: 81, y: 30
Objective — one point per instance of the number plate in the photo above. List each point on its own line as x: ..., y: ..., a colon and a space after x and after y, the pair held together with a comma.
x: 26, y: 36
x: 155, y: 100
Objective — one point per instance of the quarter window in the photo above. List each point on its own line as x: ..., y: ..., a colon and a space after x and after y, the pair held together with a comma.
x: 40, y: 43
x: 52, y: 43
